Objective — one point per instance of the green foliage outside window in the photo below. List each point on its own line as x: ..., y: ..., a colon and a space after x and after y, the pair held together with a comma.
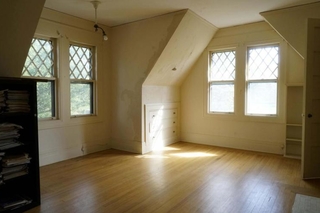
x: 81, y: 99
x: 45, y: 99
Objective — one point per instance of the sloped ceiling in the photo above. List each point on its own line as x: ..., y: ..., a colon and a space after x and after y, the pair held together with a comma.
x: 291, y: 24
x: 220, y: 13
x: 185, y: 46
x: 19, y: 19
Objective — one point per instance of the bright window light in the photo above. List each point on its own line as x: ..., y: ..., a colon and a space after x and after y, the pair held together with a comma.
x: 221, y: 76
x: 262, y: 80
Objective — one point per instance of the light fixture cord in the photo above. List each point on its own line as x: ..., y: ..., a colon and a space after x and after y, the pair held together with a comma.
x: 95, y: 5
x: 95, y: 15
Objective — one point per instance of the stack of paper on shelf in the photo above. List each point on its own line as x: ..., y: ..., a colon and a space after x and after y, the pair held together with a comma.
x: 13, y: 172
x: 17, y: 101
x: 9, y: 135
x: 14, y: 166
x: 14, y: 160
x: 13, y: 202
x: 12, y: 101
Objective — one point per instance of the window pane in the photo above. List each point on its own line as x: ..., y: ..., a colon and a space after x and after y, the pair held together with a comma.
x: 222, y: 66
x: 221, y: 77
x: 263, y: 63
x: 221, y: 98
x: 81, y: 98
x: 45, y: 94
x: 262, y: 98
x: 39, y: 62
x: 80, y: 62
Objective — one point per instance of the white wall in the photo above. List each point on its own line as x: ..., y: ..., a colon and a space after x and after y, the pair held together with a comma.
x: 160, y: 98
x: 135, y: 49
x: 295, y: 68
x: 162, y: 85
x: 68, y: 137
x: 237, y: 130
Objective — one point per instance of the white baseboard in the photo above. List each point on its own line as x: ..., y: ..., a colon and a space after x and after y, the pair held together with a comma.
x: 95, y: 147
x: 127, y: 145
x: 54, y: 156
x: 236, y: 143
x: 57, y: 155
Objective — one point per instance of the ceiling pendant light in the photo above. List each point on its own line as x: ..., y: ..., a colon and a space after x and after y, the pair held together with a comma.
x: 96, y: 26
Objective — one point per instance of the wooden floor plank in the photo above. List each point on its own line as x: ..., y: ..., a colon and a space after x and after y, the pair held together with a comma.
x: 183, y: 177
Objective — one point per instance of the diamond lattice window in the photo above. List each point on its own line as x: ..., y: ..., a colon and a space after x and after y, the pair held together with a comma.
x: 80, y: 62
x: 262, y: 80
x: 263, y: 63
x: 39, y: 62
x: 221, y: 77
x: 222, y: 66
x: 82, y: 82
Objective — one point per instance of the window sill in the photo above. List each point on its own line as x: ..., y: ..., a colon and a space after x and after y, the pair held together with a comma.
x: 244, y: 118
x: 74, y: 121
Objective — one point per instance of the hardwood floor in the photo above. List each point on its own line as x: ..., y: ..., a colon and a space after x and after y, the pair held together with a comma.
x: 184, y: 177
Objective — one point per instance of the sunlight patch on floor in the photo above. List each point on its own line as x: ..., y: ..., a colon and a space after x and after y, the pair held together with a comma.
x: 166, y: 148
x: 177, y: 155
x: 193, y: 154
x: 152, y: 156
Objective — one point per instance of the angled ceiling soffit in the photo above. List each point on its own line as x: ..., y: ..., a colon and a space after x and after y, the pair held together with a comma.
x: 19, y: 20
x: 291, y: 24
x: 185, y: 46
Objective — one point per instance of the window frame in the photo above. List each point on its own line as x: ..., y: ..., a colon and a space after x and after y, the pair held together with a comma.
x: 221, y: 82
x: 277, y: 81
x: 92, y: 82
x: 53, y: 79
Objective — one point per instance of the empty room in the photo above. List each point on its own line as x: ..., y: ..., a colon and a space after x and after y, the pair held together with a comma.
x: 159, y: 106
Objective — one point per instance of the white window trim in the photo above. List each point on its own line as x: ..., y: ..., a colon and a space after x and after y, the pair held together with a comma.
x: 54, y: 78
x: 247, y: 82
x: 85, y: 81
x: 209, y: 82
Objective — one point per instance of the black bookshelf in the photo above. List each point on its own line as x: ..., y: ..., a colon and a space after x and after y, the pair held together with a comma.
x: 23, y: 187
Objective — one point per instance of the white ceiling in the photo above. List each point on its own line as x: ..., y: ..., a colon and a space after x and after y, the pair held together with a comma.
x: 221, y: 13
